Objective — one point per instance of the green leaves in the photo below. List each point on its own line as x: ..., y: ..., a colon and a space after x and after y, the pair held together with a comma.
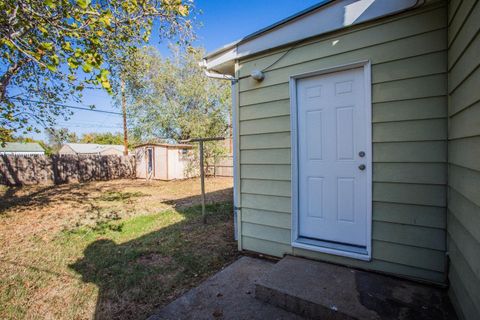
x: 103, y: 79
x: 130, y: 5
x: 46, y: 46
x: 67, y: 46
x: 55, y: 60
x: 102, y: 138
x: 50, y: 3
x: 83, y: 3
x: 43, y: 30
x: 106, y: 18
x: 73, y: 63
x: 8, y: 43
x: 173, y: 99
x: 72, y: 44
x: 87, y: 67
x: 104, y: 74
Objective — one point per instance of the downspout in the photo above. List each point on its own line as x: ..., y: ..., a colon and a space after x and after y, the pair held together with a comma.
x: 237, y: 214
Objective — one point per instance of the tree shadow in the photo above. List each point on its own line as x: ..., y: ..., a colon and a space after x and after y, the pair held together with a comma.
x: 41, y: 197
x: 138, y: 276
x: 211, y: 197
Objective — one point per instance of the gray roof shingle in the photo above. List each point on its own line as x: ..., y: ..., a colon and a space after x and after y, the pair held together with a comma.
x: 21, y: 147
x: 92, y: 147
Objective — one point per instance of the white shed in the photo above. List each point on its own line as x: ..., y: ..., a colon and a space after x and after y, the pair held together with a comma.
x: 161, y: 161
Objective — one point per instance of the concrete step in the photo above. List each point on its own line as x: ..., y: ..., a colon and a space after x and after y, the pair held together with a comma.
x: 325, y: 291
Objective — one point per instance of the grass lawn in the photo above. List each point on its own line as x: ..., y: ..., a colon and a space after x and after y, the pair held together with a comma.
x: 109, y: 250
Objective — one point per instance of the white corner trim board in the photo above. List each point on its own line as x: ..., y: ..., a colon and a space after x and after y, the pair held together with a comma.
x: 331, y: 134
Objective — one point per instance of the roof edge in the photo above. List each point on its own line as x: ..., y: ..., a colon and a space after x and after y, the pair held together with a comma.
x: 167, y: 145
x: 221, y: 60
x: 267, y: 28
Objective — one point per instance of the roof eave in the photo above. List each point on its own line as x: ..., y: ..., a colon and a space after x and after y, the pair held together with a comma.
x: 263, y: 30
x: 222, y: 61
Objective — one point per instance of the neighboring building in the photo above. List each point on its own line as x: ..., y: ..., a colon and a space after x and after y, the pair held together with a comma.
x: 91, y: 149
x: 21, y: 148
x: 341, y: 150
x: 161, y: 161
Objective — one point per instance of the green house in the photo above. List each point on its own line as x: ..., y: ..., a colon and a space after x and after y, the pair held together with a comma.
x: 357, y: 139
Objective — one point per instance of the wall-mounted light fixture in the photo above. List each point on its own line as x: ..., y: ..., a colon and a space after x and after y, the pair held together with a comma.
x: 257, y: 75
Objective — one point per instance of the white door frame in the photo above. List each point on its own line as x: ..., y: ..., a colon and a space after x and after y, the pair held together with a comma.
x: 333, y: 249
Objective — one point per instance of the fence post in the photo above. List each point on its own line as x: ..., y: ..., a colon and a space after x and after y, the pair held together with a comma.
x: 202, y: 171
x: 202, y: 181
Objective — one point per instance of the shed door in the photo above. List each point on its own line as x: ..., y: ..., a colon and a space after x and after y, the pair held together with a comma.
x: 332, y: 157
x: 149, y: 160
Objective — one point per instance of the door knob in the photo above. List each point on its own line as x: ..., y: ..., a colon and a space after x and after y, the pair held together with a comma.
x: 361, y: 154
x: 362, y: 167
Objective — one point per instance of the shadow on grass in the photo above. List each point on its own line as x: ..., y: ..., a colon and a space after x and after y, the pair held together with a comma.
x: 47, y: 195
x: 120, y: 196
x: 41, y: 197
x: 139, y: 275
x: 212, y: 197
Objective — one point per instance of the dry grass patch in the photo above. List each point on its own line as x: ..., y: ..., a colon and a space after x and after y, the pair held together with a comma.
x: 110, y: 250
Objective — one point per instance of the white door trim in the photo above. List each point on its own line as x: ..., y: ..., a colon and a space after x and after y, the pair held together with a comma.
x: 366, y: 65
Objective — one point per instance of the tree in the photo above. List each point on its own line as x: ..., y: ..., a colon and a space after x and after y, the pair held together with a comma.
x: 57, y: 137
x: 173, y: 99
x: 50, y: 50
x: 102, y: 138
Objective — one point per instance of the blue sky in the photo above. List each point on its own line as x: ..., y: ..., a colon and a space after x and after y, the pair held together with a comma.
x: 223, y: 21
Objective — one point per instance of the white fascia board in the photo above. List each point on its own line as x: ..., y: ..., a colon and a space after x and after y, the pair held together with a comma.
x: 333, y: 16
x: 222, y: 62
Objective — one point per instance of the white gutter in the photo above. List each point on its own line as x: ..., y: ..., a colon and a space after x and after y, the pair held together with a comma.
x: 220, y: 76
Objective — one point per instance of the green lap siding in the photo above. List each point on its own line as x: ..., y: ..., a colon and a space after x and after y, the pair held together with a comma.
x: 408, y: 54
x: 423, y: 108
x: 463, y: 222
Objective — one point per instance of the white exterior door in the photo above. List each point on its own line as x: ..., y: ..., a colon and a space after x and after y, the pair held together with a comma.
x: 333, y: 145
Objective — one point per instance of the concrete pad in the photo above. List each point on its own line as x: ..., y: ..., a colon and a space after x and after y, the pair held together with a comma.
x: 320, y: 290
x: 228, y: 294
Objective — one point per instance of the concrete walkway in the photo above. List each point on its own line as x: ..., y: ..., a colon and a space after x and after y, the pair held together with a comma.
x: 319, y: 290
x: 229, y: 294
x: 253, y: 288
